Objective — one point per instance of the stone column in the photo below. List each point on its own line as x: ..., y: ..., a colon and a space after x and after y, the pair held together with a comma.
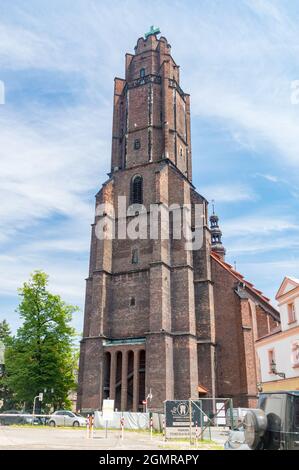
x: 112, y: 375
x: 124, y: 381
x: 136, y: 381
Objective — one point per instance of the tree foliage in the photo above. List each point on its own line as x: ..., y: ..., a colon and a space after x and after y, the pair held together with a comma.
x: 6, y: 395
x: 41, y: 357
x: 5, y: 332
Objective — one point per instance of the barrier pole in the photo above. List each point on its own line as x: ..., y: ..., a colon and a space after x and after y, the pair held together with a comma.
x: 87, y: 427
x: 122, y: 425
x: 92, y: 426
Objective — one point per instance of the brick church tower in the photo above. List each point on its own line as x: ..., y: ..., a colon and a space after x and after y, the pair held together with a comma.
x: 149, y: 321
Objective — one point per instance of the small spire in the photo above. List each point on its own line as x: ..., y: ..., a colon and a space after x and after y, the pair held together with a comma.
x: 213, y: 205
x: 216, y: 234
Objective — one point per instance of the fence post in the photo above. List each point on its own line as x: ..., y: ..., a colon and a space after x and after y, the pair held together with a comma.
x: 231, y: 411
x: 201, y: 422
x: 190, y: 419
x: 151, y: 426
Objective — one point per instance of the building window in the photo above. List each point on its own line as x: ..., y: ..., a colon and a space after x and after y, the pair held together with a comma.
x: 137, y: 144
x: 291, y: 313
x: 135, y: 256
x: 132, y: 302
x: 142, y: 73
x: 296, y: 413
x: 295, y: 354
x: 271, y: 359
x: 137, y: 190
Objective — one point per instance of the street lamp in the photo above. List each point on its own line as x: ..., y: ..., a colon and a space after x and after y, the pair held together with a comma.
x: 40, y: 396
x: 274, y: 370
x: 149, y: 397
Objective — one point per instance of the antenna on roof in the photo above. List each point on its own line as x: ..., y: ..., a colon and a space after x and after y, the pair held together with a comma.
x: 235, y: 265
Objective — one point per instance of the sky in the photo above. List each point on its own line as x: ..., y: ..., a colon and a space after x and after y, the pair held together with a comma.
x: 58, y: 58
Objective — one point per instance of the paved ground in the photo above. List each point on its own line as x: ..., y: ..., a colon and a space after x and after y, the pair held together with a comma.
x: 59, y: 438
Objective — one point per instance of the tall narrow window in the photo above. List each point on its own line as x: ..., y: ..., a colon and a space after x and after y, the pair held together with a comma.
x: 271, y: 360
x: 135, y: 256
x: 137, y: 190
x: 137, y: 144
x: 291, y: 313
x: 295, y: 353
x: 142, y: 73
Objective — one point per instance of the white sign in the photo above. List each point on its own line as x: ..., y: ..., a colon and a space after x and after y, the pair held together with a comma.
x: 108, y: 410
x: 220, y: 416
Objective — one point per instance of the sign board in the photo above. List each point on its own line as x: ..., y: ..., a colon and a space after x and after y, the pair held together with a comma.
x: 177, y: 418
x: 108, y: 410
x: 220, y: 414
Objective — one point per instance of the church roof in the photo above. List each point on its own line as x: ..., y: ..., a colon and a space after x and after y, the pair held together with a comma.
x: 240, y: 278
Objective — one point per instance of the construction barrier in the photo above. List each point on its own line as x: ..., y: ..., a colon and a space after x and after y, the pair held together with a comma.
x: 131, y: 420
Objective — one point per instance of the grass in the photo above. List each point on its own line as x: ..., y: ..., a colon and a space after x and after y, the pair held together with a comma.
x: 212, y: 446
x: 185, y: 444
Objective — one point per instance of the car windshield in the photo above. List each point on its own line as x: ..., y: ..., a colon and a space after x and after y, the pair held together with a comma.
x: 77, y: 414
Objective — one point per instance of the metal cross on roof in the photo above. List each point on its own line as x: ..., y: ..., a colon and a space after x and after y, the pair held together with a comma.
x: 152, y: 31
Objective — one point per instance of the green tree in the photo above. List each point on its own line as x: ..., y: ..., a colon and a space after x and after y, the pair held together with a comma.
x: 5, y: 332
x: 41, y: 358
x: 6, y: 395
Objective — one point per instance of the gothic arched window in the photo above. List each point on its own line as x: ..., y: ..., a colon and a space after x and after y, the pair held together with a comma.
x: 142, y: 73
x: 137, y: 190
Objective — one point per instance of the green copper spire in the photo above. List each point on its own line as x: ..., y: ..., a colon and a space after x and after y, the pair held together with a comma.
x: 152, y: 31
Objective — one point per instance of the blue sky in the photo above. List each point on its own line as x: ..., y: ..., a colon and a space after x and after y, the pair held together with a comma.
x: 58, y: 60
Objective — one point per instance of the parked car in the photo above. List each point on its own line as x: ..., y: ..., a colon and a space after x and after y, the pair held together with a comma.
x: 17, y: 417
x: 66, y: 418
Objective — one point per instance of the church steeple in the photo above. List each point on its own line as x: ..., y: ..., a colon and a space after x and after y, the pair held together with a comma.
x: 216, y: 235
x: 151, y: 118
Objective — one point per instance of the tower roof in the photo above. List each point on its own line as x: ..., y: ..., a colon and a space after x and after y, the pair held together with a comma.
x: 216, y: 234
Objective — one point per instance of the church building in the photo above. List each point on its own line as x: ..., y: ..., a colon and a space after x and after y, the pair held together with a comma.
x: 160, y: 320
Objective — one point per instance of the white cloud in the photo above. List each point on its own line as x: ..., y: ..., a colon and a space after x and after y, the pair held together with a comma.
x: 257, y: 225
x: 271, y: 178
x: 49, y: 170
x: 231, y: 193
x: 254, y: 244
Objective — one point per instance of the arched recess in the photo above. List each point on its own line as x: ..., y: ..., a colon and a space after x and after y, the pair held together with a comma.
x: 137, y: 190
